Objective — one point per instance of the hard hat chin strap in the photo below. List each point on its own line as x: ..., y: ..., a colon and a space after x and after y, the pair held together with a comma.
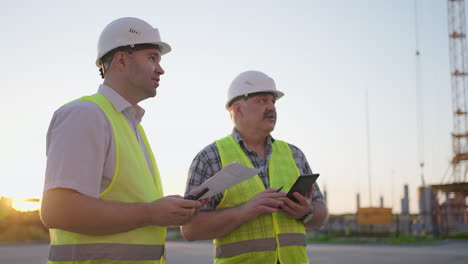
x: 102, y: 69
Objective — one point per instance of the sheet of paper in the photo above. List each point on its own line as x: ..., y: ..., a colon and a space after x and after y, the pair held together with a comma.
x: 229, y: 176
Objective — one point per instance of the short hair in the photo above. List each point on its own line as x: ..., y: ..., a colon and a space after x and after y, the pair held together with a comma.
x: 109, y: 56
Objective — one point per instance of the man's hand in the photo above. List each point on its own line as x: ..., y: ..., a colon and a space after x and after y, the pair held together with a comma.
x: 172, y: 210
x: 297, y: 210
x: 265, y: 202
x: 212, y: 224
x: 203, y: 202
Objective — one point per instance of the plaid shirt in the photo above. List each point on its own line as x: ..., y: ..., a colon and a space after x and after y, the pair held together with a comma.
x: 208, y: 162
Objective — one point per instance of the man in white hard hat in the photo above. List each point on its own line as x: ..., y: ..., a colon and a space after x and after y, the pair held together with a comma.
x: 103, y: 199
x: 249, y: 222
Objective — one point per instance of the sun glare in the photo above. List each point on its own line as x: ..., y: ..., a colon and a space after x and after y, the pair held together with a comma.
x: 26, y: 205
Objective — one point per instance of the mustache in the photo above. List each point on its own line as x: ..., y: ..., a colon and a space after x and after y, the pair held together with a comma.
x: 269, y: 114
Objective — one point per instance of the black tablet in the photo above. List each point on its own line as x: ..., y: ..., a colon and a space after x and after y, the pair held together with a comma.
x: 196, y: 196
x: 302, y: 185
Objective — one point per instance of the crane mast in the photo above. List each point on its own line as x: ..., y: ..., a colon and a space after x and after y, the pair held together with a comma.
x: 458, y: 71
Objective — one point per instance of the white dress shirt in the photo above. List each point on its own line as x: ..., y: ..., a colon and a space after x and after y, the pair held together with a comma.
x: 80, y: 144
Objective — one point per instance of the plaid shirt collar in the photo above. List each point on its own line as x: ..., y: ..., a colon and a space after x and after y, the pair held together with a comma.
x: 237, y: 137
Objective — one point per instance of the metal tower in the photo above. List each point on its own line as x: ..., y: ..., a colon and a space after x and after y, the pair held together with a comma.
x: 419, y: 94
x: 458, y: 70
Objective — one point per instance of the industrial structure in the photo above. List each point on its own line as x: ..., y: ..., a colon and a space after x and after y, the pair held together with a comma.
x: 459, y: 73
x: 443, y: 207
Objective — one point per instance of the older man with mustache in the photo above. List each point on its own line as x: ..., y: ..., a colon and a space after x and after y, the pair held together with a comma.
x: 252, y: 222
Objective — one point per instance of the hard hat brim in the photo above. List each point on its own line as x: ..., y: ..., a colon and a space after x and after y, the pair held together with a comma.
x: 278, y: 94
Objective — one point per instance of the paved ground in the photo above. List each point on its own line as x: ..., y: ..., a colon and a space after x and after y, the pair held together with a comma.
x: 442, y: 252
x: 452, y: 252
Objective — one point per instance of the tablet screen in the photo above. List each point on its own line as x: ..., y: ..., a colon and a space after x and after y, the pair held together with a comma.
x: 302, y: 185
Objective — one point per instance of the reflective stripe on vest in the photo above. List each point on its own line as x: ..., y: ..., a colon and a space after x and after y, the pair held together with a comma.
x: 107, y: 251
x: 262, y: 244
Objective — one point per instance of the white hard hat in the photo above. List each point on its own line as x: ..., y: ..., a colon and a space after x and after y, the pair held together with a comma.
x: 128, y: 31
x: 251, y: 82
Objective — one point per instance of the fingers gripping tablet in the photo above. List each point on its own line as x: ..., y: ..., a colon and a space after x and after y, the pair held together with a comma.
x: 302, y: 185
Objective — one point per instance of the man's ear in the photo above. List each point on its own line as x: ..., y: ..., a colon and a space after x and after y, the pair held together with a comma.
x: 237, y: 108
x: 120, y: 60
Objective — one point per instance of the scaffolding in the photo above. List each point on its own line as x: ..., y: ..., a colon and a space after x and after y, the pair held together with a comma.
x: 450, y: 215
x: 458, y: 69
x: 444, y: 207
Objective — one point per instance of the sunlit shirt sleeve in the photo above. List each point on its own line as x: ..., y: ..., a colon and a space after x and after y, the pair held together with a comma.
x: 77, y: 143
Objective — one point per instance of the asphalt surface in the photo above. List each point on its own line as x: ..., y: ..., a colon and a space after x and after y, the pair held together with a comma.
x: 447, y: 252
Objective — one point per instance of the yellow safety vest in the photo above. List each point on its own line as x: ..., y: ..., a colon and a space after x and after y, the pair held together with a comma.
x: 132, y: 183
x: 268, y: 238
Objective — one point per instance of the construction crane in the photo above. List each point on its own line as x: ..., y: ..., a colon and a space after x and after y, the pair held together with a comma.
x: 458, y: 70
x: 443, y: 206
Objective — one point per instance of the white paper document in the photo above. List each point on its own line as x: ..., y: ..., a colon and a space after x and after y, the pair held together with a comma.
x: 229, y: 176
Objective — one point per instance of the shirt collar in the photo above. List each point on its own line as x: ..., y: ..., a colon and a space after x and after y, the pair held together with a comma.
x: 235, y: 134
x: 119, y: 102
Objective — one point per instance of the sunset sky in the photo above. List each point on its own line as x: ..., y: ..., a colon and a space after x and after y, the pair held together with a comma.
x: 324, y: 55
